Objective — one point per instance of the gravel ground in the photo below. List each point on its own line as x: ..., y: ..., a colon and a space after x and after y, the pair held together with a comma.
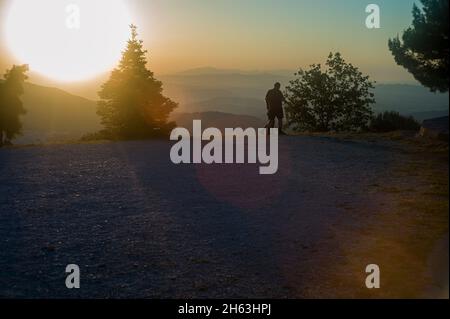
x: 141, y: 227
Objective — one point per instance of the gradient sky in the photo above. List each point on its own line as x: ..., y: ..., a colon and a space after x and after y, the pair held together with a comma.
x: 264, y: 34
x: 267, y: 34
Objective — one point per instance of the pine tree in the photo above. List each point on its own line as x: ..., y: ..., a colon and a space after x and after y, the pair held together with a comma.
x: 132, y: 104
x: 424, y: 49
x: 11, y: 107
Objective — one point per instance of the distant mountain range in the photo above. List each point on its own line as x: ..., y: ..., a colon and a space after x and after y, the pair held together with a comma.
x: 55, y: 115
x: 207, y: 83
x: 243, y: 92
x: 233, y: 105
x: 218, y: 120
x: 215, y: 71
x: 219, y: 97
x: 411, y: 100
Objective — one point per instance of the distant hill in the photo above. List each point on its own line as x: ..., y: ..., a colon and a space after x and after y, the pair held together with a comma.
x: 55, y: 115
x: 421, y: 116
x: 197, y: 85
x: 216, y: 71
x: 220, y: 97
x: 207, y: 71
x: 218, y: 120
x: 234, y: 105
x: 226, y: 80
x: 242, y: 92
x: 410, y: 99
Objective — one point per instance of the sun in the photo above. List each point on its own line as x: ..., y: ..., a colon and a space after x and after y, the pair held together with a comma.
x: 67, y: 40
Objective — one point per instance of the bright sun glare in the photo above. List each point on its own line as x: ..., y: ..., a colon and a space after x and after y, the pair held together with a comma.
x: 68, y: 40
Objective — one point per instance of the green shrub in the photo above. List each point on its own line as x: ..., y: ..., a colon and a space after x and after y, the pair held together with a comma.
x: 337, y: 97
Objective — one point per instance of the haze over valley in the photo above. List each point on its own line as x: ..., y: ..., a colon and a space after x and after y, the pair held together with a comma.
x: 54, y: 115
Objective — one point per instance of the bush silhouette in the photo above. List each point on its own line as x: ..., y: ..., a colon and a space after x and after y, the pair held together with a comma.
x: 337, y: 98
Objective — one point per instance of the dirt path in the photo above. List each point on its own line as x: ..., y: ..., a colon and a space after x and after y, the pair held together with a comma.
x: 139, y: 226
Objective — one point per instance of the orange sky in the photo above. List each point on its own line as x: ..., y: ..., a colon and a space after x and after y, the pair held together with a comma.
x: 259, y: 35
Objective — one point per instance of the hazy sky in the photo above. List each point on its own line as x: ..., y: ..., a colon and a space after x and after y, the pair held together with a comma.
x: 268, y: 34
x: 264, y: 34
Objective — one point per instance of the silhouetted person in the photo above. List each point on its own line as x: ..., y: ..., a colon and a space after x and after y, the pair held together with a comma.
x: 274, y: 100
